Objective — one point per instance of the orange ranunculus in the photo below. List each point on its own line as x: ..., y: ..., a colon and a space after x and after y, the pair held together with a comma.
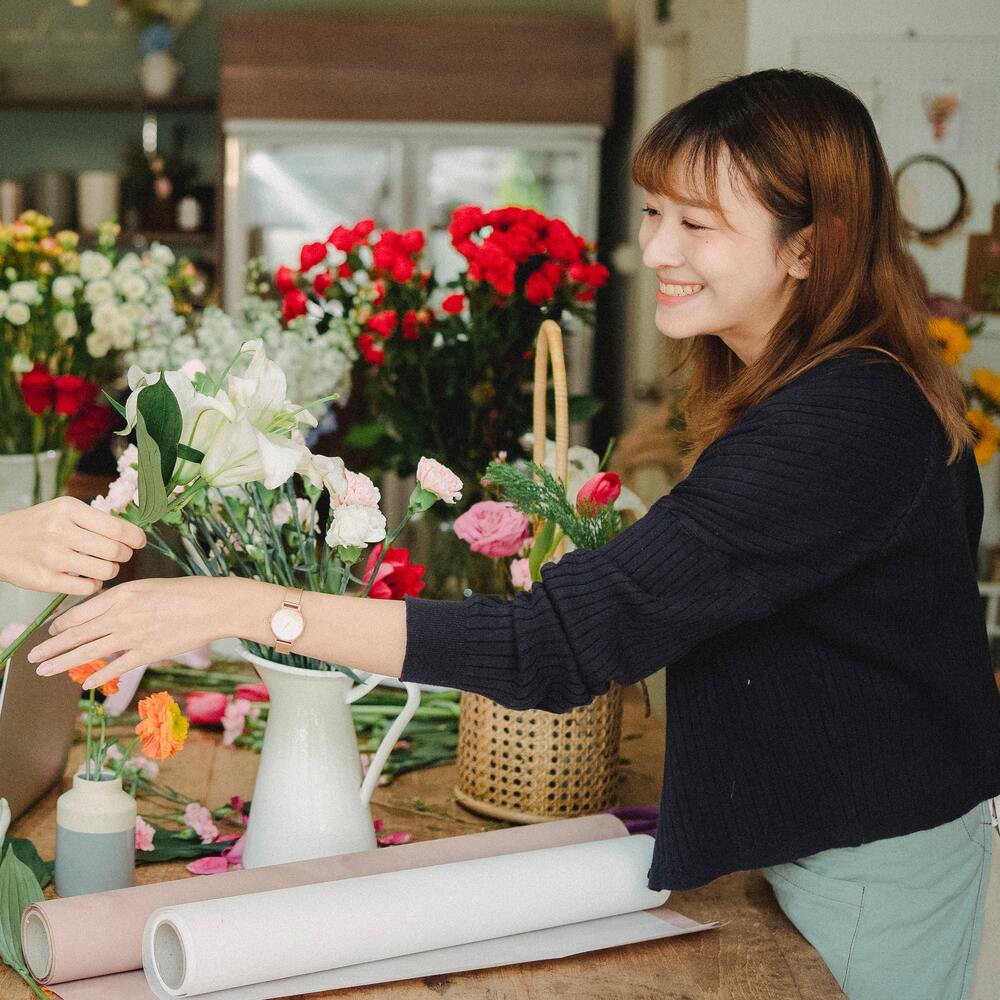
x: 161, y: 727
x: 987, y: 435
x: 82, y: 672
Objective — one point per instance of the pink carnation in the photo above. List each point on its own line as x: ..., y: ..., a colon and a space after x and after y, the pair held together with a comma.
x: 143, y: 835
x: 439, y: 480
x: 520, y: 574
x: 199, y: 818
x: 493, y: 529
x: 361, y: 492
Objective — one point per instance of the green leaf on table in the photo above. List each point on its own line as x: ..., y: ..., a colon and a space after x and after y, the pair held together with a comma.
x: 152, y: 492
x: 18, y: 888
x: 28, y: 855
x: 170, y: 846
x: 158, y: 406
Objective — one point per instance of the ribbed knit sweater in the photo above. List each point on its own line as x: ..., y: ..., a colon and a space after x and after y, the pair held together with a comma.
x: 811, y: 587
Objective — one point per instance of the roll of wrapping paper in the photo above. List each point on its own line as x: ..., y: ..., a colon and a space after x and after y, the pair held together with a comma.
x: 58, y: 934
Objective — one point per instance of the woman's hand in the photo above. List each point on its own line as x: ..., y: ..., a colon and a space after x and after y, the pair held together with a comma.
x: 64, y: 547
x: 149, y: 620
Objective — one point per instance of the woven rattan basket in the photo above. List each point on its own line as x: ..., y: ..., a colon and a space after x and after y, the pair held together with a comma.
x: 529, y: 766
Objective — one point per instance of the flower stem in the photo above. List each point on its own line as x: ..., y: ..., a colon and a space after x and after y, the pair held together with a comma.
x: 19, y: 641
x: 30, y: 980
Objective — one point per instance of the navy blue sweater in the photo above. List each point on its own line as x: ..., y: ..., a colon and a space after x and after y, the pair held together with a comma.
x: 811, y: 586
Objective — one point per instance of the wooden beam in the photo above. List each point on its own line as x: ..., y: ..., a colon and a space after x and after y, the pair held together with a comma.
x: 417, y: 68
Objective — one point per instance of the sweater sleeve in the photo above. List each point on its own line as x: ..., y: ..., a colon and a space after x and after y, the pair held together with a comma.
x: 809, y: 484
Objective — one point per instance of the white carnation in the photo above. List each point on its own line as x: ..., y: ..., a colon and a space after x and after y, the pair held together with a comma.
x: 99, y: 343
x: 134, y: 287
x: 355, y: 526
x: 24, y: 291
x: 99, y: 291
x: 64, y: 287
x: 17, y: 314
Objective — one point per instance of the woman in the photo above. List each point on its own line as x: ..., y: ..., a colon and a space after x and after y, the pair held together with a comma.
x: 64, y: 547
x: 810, y: 584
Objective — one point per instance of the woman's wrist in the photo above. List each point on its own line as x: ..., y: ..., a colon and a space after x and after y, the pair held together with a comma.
x: 248, y: 606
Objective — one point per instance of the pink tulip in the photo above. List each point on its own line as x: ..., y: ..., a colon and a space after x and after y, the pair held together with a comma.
x: 205, y: 708
x: 600, y: 490
x: 253, y: 692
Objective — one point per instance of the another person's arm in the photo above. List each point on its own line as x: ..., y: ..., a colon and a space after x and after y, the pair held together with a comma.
x: 64, y: 547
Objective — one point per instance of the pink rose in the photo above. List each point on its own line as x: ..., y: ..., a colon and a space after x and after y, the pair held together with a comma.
x: 205, y: 708
x: 493, y: 529
x: 143, y: 835
x: 520, y: 574
x: 439, y: 480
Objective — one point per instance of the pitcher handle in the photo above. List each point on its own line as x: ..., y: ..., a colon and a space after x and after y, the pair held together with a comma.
x: 402, y: 720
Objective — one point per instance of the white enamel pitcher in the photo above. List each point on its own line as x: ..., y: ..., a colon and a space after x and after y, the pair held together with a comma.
x: 309, y: 800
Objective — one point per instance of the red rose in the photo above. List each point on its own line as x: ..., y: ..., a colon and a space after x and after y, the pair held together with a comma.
x: 322, y: 282
x: 538, y: 289
x: 519, y: 241
x: 587, y: 295
x: 311, y: 255
x: 362, y: 229
x: 410, y: 327
x: 560, y: 242
x: 464, y: 221
x: 597, y: 492
x: 89, y: 426
x: 345, y: 270
x: 284, y: 279
x: 372, y: 354
x: 454, y: 304
x: 492, y: 265
x: 341, y: 239
x: 597, y: 275
x: 38, y: 388
x: 72, y: 392
x: 402, y: 269
x: 397, y: 576
x: 383, y: 323
x: 412, y: 241
x: 293, y: 305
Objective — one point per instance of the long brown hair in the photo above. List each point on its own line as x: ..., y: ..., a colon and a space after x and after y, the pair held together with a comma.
x: 807, y: 150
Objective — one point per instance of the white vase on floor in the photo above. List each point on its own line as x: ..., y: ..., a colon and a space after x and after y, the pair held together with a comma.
x: 17, y: 491
x: 309, y: 799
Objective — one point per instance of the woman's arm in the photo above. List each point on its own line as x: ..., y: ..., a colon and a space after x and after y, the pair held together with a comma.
x: 64, y: 547
x: 151, y: 620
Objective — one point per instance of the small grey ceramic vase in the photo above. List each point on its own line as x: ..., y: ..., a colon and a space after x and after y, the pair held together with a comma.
x: 95, y: 836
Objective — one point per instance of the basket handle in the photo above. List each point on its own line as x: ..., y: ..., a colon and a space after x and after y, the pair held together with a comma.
x: 550, y: 343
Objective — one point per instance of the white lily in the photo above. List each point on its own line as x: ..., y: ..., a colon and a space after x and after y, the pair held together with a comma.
x: 239, y: 453
x: 4, y: 819
x: 324, y: 472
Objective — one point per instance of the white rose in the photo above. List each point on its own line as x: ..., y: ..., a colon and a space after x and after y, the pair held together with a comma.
x: 99, y: 343
x: 17, y: 313
x: 99, y: 291
x: 24, y: 291
x: 105, y: 316
x: 64, y: 288
x: 133, y: 287
x: 21, y: 364
x: 94, y: 266
x: 355, y: 526
x: 65, y: 324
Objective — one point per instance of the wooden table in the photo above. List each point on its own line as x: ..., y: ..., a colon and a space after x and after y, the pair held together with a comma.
x: 755, y: 955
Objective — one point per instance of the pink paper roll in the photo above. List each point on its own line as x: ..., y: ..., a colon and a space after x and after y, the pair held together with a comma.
x: 81, y: 937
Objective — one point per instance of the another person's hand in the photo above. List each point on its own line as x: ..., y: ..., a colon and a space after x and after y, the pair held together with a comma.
x: 143, y: 621
x: 64, y: 547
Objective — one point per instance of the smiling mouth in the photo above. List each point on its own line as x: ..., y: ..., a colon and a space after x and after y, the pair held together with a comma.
x: 679, y: 291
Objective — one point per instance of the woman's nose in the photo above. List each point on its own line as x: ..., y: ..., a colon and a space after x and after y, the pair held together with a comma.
x: 662, y: 249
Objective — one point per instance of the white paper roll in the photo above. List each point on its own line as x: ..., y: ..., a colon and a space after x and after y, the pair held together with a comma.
x: 222, y: 944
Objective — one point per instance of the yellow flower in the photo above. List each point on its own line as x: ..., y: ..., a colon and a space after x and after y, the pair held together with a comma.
x: 162, y: 728
x: 950, y: 336
x: 987, y: 435
x: 988, y: 383
x: 67, y: 239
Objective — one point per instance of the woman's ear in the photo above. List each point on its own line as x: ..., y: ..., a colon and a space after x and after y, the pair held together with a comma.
x: 800, y: 249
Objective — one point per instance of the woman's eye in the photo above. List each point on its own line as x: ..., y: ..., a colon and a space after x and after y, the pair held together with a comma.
x: 692, y: 225
x: 649, y: 211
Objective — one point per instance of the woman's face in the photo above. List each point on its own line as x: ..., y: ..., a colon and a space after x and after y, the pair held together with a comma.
x: 721, y: 275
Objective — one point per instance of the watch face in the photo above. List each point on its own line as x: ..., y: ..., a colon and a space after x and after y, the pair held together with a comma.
x: 287, y: 624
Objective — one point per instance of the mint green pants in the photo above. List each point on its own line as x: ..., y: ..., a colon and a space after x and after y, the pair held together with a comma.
x: 896, y: 919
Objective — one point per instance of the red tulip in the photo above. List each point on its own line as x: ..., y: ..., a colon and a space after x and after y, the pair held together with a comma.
x: 284, y: 279
x: 597, y: 492
x: 311, y: 255
x: 322, y: 282
x: 72, y: 392
x: 38, y: 388
x: 205, y: 708
x: 294, y: 305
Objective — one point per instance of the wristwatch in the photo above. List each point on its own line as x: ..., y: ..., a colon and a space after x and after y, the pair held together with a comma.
x: 287, y: 622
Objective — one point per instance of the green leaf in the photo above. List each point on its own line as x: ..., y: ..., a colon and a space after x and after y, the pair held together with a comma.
x: 152, y: 492
x: 18, y: 888
x: 168, y: 846
x: 158, y: 406
x: 119, y: 409
x: 366, y: 435
x: 189, y: 454
x: 540, y: 549
x: 26, y: 852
